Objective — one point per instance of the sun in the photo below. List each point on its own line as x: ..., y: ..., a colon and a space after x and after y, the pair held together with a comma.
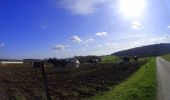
x: 132, y: 8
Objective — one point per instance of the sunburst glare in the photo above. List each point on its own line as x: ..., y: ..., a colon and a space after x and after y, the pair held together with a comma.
x: 132, y: 8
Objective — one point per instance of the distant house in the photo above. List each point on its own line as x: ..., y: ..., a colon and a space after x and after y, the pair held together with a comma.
x: 6, y: 61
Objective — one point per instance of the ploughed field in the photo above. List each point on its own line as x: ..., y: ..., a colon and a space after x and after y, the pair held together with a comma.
x: 23, y: 82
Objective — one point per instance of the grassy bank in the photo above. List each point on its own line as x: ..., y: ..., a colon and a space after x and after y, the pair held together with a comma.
x: 140, y: 86
x: 166, y: 57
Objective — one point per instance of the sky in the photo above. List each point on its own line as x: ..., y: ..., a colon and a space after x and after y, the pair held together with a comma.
x: 67, y: 28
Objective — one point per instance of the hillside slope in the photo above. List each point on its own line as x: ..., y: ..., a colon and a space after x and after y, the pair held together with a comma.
x: 150, y: 50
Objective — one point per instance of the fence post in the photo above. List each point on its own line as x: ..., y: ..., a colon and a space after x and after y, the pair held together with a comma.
x: 40, y: 64
x: 45, y: 82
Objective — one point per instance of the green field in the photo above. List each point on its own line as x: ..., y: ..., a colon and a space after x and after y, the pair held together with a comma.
x: 167, y: 57
x: 140, y: 86
x: 109, y: 58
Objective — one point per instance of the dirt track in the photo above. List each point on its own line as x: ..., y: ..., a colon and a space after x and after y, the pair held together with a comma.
x: 163, y: 69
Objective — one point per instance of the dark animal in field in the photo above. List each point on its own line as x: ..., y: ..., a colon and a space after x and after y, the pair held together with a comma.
x: 87, y: 59
x: 94, y: 61
x: 76, y: 63
x: 62, y: 63
x: 126, y: 59
x: 38, y: 64
x: 58, y: 62
x: 135, y: 58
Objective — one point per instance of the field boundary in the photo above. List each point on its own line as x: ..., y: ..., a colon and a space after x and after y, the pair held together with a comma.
x: 166, y: 57
x: 142, y: 85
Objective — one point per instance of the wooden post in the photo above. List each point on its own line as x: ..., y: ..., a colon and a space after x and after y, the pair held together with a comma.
x: 45, y: 83
x: 41, y: 65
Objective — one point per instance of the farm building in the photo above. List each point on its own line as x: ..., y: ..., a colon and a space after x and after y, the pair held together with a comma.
x: 11, y: 62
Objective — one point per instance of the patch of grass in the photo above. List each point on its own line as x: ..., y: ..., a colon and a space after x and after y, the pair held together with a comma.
x: 140, y: 86
x: 166, y: 57
x: 109, y: 58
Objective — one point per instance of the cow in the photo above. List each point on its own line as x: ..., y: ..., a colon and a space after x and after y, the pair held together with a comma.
x: 62, y: 63
x: 77, y: 63
x: 74, y: 63
x: 135, y: 58
x: 126, y: 59
x: 95, y: 61
x: 59, y: 62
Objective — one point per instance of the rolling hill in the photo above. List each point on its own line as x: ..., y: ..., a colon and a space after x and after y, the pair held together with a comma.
x: 145, y: 51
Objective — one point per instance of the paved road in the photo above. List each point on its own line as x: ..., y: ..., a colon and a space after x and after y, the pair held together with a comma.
x: 163, y: 75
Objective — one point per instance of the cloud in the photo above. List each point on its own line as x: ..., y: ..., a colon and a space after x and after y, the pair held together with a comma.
x: 81, y: 7
x: 168, y: 27
x: 89, y: 41
x: 99, y: 45
x: 2, y: 45
x: 136, y: 25
x: 111, y: 44
x: 83, y: 49
x: 111, y: 47
x: 101, y: 34
x: 45, y: 27
x: 60, y: 47
x: 76, y: 39
x: 150, y: 40
x: 161, y: 39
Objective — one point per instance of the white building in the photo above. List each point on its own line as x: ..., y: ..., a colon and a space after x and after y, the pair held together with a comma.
x: 11, y: 62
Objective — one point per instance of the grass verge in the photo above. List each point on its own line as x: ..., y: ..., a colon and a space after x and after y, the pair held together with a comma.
x: 140, y: 86
x: 166, y: 57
